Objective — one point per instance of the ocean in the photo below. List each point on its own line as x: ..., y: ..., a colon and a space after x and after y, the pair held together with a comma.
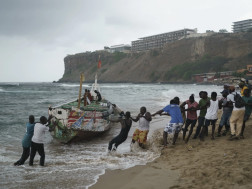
x: 77, y: 165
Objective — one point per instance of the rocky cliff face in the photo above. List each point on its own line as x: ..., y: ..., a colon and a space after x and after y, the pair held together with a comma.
x: 156, y: 65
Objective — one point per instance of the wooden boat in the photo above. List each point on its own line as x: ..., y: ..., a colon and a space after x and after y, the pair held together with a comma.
x: 72, y: 121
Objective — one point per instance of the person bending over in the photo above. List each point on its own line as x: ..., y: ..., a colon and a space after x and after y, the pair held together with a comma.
x: 98, y: 94
x: 126, y: 123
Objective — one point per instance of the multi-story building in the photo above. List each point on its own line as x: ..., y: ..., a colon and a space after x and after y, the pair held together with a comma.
x: 242, y: 26
x: 118, y: 48
x: 158, y: 41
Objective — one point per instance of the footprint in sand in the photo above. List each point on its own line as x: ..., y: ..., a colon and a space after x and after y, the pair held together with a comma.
x: 189, y: 147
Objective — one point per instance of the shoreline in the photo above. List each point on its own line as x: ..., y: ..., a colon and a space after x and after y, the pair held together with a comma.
x: 218, y: 163
x: 218, y: 83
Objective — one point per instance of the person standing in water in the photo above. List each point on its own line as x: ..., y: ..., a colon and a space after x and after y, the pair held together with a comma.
x: 142, y: 130
x: 126, y: 123
x: 37, y: 143
x: 26, y: 142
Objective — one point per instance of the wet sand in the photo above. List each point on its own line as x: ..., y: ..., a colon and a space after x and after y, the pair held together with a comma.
x: 218, y: 163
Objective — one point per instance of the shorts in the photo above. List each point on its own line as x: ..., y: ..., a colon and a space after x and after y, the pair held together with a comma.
x: 173, y: 128
x: 140, y: 136
x: 210, y: 121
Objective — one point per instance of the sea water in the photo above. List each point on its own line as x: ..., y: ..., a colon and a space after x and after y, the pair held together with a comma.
x: 77, y: 165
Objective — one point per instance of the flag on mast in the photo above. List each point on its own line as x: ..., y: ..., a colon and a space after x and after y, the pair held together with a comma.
x: 99, y: 63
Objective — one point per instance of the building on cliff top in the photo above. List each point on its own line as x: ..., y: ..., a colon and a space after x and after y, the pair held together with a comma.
x: 118, y: 48
x: 205, y: 77
x: 243, y: 25
x: 158, y: 41
x: 249, y: 72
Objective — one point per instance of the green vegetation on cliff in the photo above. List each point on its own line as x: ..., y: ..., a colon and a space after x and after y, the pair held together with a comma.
x: 175, y: 62
x: 203, y: 65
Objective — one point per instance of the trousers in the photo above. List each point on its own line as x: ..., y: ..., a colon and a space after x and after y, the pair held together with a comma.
x: 236, y: 119
x: 37, y: 147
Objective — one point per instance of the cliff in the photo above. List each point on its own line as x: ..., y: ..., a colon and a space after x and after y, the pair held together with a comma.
x: 175, y: 62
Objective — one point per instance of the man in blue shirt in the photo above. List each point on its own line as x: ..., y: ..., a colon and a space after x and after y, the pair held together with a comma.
x: 176, y: 122
x: 26, y: 142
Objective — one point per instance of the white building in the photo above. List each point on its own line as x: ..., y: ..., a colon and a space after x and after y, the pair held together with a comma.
x: 242, y: 25
x: 118, y: 48
x: 158, y: 41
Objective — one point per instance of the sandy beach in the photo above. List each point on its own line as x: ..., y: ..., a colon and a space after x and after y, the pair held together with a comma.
x: 218, y: 163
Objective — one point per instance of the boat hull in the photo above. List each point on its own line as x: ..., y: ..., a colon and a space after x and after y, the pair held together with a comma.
x: 70, y: 124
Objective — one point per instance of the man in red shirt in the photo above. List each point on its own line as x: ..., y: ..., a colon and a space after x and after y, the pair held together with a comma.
x: 191, y: 116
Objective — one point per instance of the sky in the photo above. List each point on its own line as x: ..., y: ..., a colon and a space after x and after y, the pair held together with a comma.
x: 36, y: 35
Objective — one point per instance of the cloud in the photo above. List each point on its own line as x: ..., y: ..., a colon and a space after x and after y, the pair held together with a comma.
x: 35, y: 36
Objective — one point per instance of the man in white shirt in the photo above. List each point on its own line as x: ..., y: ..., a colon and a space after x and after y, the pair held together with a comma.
x: 211, y: 115
x: 236, y: 116
x: 37, y: 143
x: 142, y: 130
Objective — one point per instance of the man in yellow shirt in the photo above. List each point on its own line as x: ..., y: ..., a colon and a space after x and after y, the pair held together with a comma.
x: 242, y: 87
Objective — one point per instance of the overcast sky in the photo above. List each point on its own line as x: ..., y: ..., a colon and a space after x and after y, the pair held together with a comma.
x: 36, y: 35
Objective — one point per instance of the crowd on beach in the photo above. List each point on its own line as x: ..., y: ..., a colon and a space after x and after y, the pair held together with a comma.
x: 236, y: 110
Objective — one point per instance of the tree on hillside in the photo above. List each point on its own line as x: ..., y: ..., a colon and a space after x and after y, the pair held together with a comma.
x: 249, y: 30
x: 223, y: 31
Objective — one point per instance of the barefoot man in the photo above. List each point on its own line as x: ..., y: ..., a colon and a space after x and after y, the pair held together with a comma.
x: 142, y: 130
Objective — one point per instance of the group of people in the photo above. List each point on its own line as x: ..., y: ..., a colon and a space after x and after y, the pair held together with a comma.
x: 33, y: 140
x: 88, y: 98
x: 236, y: 110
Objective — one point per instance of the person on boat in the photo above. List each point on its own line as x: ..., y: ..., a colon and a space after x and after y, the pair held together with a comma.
x: 176, y: 122
x: 89, y: 96
x: 26, y: 142
x: 191, y: 116
x: 211, y: 115
x: 98, y: 94
x: 140, y: 134
x: 37, y: 142
x: 126, y: 123
x: 85, y: 96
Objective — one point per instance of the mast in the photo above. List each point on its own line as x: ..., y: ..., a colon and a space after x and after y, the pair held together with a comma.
x: 80, y: 90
